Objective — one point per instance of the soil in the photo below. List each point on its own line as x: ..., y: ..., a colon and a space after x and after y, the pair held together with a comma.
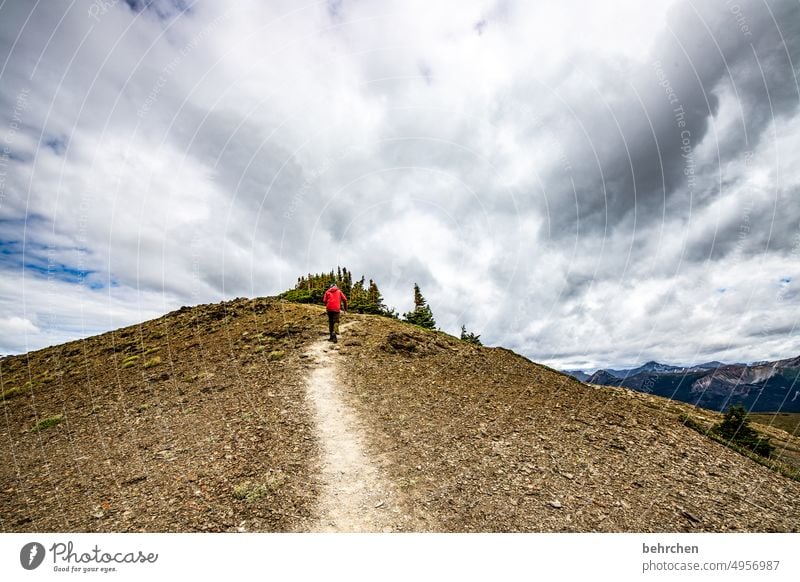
x: 482, y: 440
x: 355, y: 495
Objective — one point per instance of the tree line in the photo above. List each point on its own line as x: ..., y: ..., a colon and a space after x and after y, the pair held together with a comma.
x: 364, y: 297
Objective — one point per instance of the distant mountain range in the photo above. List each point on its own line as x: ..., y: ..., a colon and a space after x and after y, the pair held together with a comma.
x: 760, y: 386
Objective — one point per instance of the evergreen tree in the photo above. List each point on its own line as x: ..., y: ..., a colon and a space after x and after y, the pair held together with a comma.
x: 347, y: 282
x: 735, y: 427
x: 422, y: 314
x: 375, y: 299
x: 391, y: 312
x: 470, y: 337
x: 357, y: 297
x: 363, y: 298
x: 419, y: 300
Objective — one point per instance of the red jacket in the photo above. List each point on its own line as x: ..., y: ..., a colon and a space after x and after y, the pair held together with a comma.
x: 333, y: 299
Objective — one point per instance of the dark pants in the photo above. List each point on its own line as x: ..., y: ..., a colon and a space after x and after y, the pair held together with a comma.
x: 333, y: 322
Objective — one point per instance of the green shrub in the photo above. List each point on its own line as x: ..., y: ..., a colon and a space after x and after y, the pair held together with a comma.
x: 152, y: 362
x: 470, y: 337
x: 735, y: 428
x: 692, y: 423
x: 249, y: 492
x: 47, y: 377
x: 15, y: 391
x: 771, y: 463
x: 47, y: 423
x: 363, y: 296
x: 303, y: 295
x: 129, y: 361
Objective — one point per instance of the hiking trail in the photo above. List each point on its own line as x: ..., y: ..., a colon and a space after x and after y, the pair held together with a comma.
x: 355, y: 496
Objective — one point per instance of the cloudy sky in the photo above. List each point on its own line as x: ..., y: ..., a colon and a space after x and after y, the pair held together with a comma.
x: 589, y: 184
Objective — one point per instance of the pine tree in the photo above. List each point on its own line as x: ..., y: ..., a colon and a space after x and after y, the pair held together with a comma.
x: 375, y: 299
x: 470, y: 337
x: 363, y: 298
x: 419, y: 300
x: 422, y: 314
x: 735, y: 427
x: 347, y: 282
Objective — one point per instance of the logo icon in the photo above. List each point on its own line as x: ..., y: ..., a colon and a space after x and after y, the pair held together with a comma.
x: 31, y: 555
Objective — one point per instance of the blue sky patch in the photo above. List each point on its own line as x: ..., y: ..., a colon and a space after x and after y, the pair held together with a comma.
x: 57, y: 144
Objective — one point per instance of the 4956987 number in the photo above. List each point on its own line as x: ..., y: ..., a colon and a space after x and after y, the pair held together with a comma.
x: 746, y: 565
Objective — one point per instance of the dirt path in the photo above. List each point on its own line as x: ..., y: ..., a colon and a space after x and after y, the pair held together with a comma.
x: 355, y: 497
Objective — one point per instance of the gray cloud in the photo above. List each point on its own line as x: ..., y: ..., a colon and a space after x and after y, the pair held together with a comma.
x: 631, y: 135
x: 589, y: 185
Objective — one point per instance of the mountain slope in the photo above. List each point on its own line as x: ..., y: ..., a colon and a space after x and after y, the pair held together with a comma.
x: 219, y: 436
x: 651, y: 366
x: 485, y: 440
x: 765, y: 387
x: 215, y: 437
x: 578, y: 375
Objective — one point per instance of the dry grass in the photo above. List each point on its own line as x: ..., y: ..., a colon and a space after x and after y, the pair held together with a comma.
x: 786, y: 421
x: 162, y: 450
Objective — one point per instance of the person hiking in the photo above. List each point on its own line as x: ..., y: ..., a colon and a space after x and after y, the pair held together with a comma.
x: 334, y: 300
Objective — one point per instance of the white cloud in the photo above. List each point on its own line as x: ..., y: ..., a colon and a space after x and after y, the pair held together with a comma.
x: 222, y: 152
x: 14, y: 326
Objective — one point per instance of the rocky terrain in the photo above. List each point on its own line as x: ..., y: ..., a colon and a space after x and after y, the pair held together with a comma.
x: 202, y: 420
